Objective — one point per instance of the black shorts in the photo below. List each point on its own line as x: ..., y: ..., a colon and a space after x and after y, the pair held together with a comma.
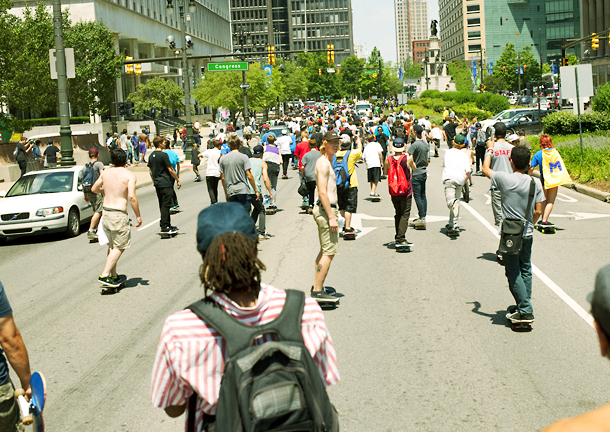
x: 373, y: 174
x: 348, y: 200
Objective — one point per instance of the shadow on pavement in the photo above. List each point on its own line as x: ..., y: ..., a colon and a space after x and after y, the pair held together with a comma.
x: 498, y: 318
x: 488, y: 256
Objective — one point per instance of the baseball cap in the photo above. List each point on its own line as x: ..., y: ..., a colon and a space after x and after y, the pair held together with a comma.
x: 93, y: 152
x: 346, y: 142
x: 398, y: 142
x: 50, y: 141
x: 477, y: 125
x: 284, y: 132
x: 222, y: 218
x: 500, y: 127
x: 600, y: 299
x: 258, y: 150
x: 418, y: 129
x: 330, y: 135
x: 459, y: 139
x: 512, y: 137
x: 116, y: 134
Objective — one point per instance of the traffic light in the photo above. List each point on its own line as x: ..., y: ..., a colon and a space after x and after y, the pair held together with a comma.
x: 129, y: 67
x: 330, y: 53
x: 524, y: 68
x: 271, y: 55
x: 319, y: 71
x: 564, y: 61
x: 138, y: 68
x: 595, y: 41
x: 504, y: 68
x: 338, y: 71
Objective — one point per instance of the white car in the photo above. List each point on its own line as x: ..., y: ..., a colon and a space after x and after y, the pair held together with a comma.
x: 46, y: 201
x: 512, y: 100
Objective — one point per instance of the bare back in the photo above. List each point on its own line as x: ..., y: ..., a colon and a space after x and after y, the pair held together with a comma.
x: 325, y: 178
x: 118, y: 182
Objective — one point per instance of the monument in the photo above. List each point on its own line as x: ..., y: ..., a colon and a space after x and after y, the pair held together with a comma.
x: 435, y: 76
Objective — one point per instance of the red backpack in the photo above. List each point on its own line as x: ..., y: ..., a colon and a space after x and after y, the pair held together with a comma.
x: 397, y: 180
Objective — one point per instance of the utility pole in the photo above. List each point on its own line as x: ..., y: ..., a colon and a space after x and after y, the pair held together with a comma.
x: 65, y: 132
x: 187, y: 86
x: 380, y: 79
x: 519, y: 72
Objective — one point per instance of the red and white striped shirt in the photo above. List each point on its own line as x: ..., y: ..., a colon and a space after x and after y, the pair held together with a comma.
x: 191, y: 355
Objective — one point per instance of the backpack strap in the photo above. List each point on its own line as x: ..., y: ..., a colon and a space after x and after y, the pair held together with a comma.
x: 239, y: 336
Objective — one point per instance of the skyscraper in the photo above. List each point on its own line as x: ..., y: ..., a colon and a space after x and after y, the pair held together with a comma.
x: 411, y: 21
x: 294, y: 25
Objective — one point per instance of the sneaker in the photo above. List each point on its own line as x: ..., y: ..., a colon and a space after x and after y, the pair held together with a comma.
x: 408, y: 243
x: 91, y: 235
x: 517, y: 317
x: 174, y: 208
x: 116, y: 279
x: 456, y: 207
x: 376, y: 195
x: 169, y: 230
x: 108, y: 281
x: 371, y: 194
x: 174, y: 228
x: 284, y: 177
x: 264, y: 236
x: 321, y: 296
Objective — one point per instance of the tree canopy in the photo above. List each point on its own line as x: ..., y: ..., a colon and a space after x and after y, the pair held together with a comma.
x: 157, y: 93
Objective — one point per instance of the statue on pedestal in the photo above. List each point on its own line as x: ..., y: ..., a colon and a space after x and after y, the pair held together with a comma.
x: 433, y: 29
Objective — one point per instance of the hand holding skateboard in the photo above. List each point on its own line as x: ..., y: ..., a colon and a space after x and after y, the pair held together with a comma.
x: 31, y: 412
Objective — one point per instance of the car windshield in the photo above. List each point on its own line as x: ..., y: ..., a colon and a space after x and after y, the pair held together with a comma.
x: 47, y: 182
x: 363, y: 107
x: 506, y: 115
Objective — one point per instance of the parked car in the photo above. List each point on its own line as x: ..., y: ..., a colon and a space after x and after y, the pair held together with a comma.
x: 43, y: 202
x: 310, y: 105
x: 527, y: 120
x: 525, y: 100
x: 512, y: 100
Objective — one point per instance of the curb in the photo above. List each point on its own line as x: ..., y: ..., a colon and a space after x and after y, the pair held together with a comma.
x: 144, y: 184
x: 585, y: 190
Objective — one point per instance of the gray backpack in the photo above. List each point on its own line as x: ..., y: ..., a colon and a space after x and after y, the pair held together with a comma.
x: 275, y: 386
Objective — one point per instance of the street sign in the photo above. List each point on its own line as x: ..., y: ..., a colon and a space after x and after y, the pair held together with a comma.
x: 244, y: 86
x: 369, y: 72
x: 330, y: 70
x: 69, y: 55
x: 227, y: 67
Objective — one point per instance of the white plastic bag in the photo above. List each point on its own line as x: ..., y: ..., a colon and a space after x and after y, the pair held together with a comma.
x: 102, y: 238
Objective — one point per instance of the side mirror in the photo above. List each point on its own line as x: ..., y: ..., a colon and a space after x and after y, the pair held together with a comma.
x: 2, y: 194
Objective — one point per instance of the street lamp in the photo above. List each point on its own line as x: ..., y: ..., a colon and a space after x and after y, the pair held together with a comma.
x: 243, y: 39
x: 186, y: 44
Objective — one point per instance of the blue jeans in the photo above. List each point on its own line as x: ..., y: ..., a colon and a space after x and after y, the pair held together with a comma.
x: 419, y: 193
x: 243, y: 199
x: 518, y: 270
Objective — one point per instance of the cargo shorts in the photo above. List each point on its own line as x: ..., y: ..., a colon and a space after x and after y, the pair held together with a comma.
x: 118, y: 231
x: 329, y: 240
x: 10, y: 418
x: 96, y: 201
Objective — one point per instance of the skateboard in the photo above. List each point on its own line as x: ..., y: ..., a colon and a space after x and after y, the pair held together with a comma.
x: 271, y: 210
x: 106, y: 289
x: 546, y: 229
x: 173, y: 212
x: 403, y: 248
x: 419, y: 225
x: 93, y: 240
x: 349, y: 235
x: 305, y: 205
x: 453, y: 232
x: 521, y: 325
x: 165, y: 235
x: 325, y: 304
x: 375, y: 199
x: 32, y: 412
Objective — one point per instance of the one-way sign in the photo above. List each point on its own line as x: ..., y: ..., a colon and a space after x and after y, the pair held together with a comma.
x: 244, y: 86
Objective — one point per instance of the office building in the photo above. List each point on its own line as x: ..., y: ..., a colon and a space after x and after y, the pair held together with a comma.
x: 294, y: 25
x: 359, y: 51
x: 595, y: 18
x: 461, y: 29
x: 420, y: 48
x: 411, y: 22
x: 141, y: 26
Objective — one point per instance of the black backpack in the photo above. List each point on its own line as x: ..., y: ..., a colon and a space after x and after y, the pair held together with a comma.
x: 275, y: 386
x: 90, y: 176
x: 400, y: 131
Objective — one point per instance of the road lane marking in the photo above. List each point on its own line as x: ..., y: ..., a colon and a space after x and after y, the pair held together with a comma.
x: 488, y: 199
x: 543, y: 277
x: 565, y: 198
x: 149, y: 225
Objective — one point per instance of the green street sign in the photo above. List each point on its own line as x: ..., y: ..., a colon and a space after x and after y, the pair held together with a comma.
x: 227, y: 67
x: 369, y: 72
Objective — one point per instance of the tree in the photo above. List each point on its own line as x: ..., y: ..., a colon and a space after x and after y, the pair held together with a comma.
x: 293, y: 80
x: 351, y: 71
x: 97, y: 65
x: 412, y: 69
x: 601, y: 101
x: 157, y: 93
x: 320, y: 82
x: 510, y: 62
x: 494, y: 83
x: 461, y: 74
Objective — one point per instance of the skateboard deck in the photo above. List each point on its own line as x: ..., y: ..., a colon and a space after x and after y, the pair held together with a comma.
x: 403, y: 248
x: 418, y: 226
x: 546, y: 229
x: 95, y: 240
x: 520, y: 325
x: 349, y: 236
x: 106, y: 289
x: 454, y: 232
x: 375, y: 199
x: 32, y: 412
x: 167, y: 235
x: 304, y: 206
x: 271, y: 210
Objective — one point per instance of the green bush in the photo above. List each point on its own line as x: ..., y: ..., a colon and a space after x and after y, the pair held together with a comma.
x: 492, y: 102
x: 601, y: 101
x: 432, y: 94
x: 470, y: 110
x: 565, y: 123
x: 464, y: 97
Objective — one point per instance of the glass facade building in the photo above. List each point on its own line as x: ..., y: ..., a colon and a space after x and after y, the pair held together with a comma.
x: 294, y: 25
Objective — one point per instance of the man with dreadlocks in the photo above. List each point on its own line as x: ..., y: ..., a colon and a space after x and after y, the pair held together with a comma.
x: 191, y: 355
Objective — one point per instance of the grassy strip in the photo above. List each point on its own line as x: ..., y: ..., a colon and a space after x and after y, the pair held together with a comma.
x: 594, y: 167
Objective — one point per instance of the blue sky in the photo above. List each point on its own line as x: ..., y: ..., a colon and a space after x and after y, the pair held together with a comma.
x: 374, y: 25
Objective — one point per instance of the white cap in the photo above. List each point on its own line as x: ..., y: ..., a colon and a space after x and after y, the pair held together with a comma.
x: 284, y: 132
x: 512, y: 138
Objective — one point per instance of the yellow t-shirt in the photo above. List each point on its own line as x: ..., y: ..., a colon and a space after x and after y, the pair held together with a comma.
x: 354, y: 157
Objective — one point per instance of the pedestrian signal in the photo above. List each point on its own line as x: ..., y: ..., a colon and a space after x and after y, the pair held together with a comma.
x: 595, y: 41
x: 138, y: 68
x: 129, y: 67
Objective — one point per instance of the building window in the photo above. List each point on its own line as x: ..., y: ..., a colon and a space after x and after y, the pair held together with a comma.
x: 474, y: 35
x: 474, y: 48
x: 473, y: 9
x: 473, y: 22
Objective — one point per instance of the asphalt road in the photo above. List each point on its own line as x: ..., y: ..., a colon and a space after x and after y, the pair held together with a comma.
x: 421, y: 338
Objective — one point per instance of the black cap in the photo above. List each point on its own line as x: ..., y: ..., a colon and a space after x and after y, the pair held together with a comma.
x: 418, y: 129
x: 398, y: 143
x: 258, y: 150
x: 600, y: 299
x: 500, y: 127
x: 50, y: 141
x: 222, y: 218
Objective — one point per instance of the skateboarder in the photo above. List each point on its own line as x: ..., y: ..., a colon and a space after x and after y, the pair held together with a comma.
x: 119, y: 185
x: 420, y: 151
x: 456, y: 172
x: 515, y: 188
x: 235, y: 174
x: 15, y: 351
x: 226, y: 239
x: 348, y: 197
x: 96, y: 200
x: 212, y: 170
x: 161, y: 172
x: 326, y: 215
x: 598, y: 419
x: 274, y: 163
x: 258, y: 168
x: 401, y: 190
x: 373, y: 156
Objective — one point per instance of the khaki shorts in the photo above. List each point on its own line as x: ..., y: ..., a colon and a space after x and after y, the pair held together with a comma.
x: 96, y: 201
x: 10, y: 418
x: 329, y: 240
x: 116, y: 225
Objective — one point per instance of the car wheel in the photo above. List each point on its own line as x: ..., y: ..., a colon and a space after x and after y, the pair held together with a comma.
x: 73, y: 223
x: 509, y: 132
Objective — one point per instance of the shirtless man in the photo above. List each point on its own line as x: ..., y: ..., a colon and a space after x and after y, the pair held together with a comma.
x: 326, y: 214
x: 117, y: 184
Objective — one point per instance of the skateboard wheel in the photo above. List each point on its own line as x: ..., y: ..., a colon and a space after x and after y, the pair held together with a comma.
x: 27, y: 420
x: 19, y: 392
